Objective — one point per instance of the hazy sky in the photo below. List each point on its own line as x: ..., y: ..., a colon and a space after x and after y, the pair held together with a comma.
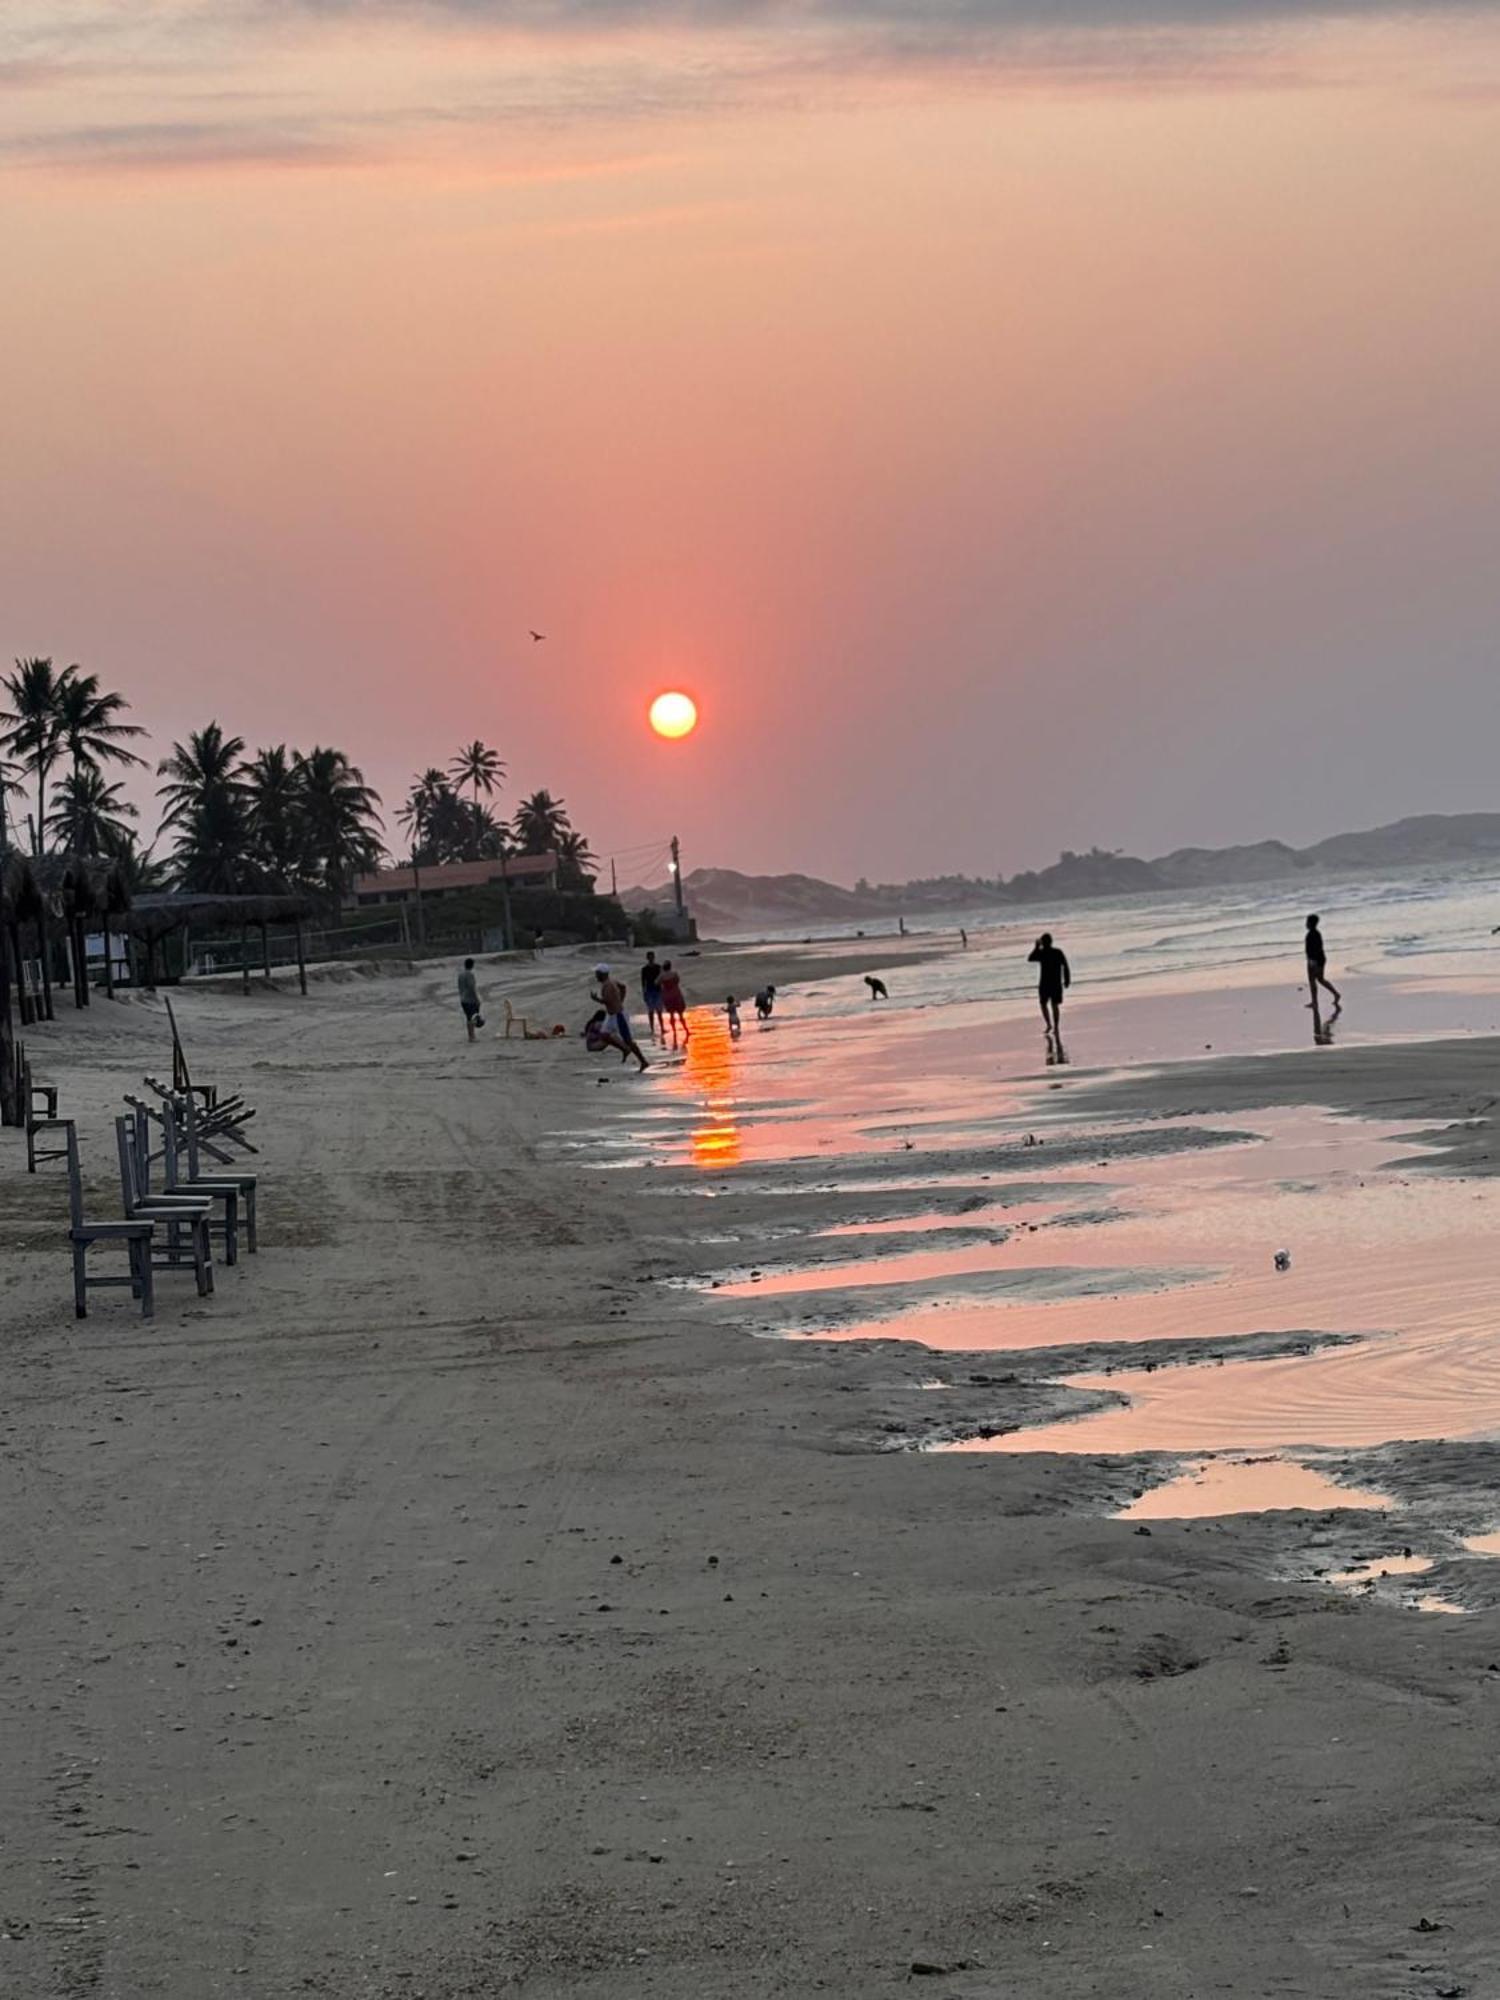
x: 1021, y: 423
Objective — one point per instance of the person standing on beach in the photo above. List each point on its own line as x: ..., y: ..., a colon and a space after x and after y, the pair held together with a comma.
x: 611, y: 997
x: 651, y: 994
x: 673, y: 1006
x: 468, y: 998
x: 1054, y: 978
x: 878, y: 988
x: 1317, y: 967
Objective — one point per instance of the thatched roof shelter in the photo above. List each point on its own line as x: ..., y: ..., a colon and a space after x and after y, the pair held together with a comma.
x: 156, y: 916
x: 82, y: 885
x: 20, y: 893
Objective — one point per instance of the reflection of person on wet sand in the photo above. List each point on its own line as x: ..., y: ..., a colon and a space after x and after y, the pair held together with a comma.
x: 1317, y: 967
x: 878, y: 988
x: 1054, y: 977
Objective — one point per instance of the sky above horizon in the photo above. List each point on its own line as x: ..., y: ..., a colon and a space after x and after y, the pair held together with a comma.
x: 1018, y: 425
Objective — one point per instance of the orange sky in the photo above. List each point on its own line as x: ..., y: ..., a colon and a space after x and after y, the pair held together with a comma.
x: 1015, y: 437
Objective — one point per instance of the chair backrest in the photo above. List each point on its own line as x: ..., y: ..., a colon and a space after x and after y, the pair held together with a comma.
x: 169, y: 1150
x: 190, y: 1133
x: 75, y: 1177
x: 140, y: 1118
x: 130, y: 1189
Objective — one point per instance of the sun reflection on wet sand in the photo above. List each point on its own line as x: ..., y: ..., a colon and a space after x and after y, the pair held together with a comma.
x: 707, y: 1073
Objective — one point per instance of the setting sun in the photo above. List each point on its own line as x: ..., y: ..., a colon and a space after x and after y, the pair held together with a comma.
x: 674, y: 714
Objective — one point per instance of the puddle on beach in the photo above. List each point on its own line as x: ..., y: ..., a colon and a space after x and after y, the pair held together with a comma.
x: 1256, y: 1485
x: 904, y: 1101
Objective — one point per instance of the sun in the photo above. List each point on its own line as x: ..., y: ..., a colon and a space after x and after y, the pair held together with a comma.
x: 674, y: 714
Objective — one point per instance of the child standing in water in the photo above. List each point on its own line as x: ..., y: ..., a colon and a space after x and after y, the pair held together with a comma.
x: 732, y: 1009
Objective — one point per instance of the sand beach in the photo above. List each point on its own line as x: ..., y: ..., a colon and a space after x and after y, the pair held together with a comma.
x: 593, y: 1548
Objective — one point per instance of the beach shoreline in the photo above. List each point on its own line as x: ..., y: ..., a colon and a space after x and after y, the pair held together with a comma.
x: 449, y: 1606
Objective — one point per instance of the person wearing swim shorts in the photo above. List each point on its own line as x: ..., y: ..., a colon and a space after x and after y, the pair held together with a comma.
x: 611, y: 997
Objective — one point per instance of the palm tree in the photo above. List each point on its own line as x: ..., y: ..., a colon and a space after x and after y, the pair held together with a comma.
x: 274, y: 790
x: 34, y: 732
x: 88, y: 725
x: 479, y: 766
x: 423, y: 802
x: 540, y: 823
x: 89, y: 816
x: 577, y: 864
x: 144, y: 874
x: 206, y: 811
x: 340, y: 817
x: 8, y: 775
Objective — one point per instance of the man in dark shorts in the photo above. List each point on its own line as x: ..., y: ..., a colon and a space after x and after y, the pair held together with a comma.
x: 468, y: 998
x: 1053, y: 981
x: 651, y: 994
x: 611, y: 997
x: 1317, y: 967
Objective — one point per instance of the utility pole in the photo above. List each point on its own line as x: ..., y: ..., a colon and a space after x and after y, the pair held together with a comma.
x: 677, y: 873
x: 510, y: 935
x: 614, y: 885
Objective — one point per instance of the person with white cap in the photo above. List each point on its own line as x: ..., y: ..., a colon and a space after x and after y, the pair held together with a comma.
x: 611, y: 997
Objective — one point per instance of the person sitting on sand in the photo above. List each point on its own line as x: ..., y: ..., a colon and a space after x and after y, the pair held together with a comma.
x: 611, y: 997
x: 878, y: 987
x: 598, y: 1036
x: 1317, y: 967
x: 765, y: 1000
x: 1054, y: 978
x: 732, y: 1009
x: 673, y: 1006
x: 468, y: 998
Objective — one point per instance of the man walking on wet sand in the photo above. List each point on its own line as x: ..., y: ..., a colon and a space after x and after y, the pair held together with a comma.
x: 1317, y: 967
x: 1054, y: 978
x: 611, y: 997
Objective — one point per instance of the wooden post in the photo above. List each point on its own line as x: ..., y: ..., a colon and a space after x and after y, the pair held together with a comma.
x: 301, y: 961
x: 80, y: 963
x: 44, y: 953
x: 25, y: 1013
x: 244, y: 958
x: 9, y: 1109
x: 109, y: 963
x: 265, y: 953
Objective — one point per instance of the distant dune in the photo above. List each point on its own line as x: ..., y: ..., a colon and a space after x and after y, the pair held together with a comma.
x: 725, y: 899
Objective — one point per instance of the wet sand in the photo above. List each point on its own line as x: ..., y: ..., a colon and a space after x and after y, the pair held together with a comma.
x: 451, y: 1608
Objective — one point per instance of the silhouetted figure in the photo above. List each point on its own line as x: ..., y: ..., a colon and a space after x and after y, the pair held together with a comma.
x: 468, y: 998
x: 651, y: 995
x: 964, y: 935
x: 1317, y: 967
x: 1055, y: 977
x: 732, y: 1009
x: 878, y: 990
x: 765, y: 1000
x: 673, y: 1005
